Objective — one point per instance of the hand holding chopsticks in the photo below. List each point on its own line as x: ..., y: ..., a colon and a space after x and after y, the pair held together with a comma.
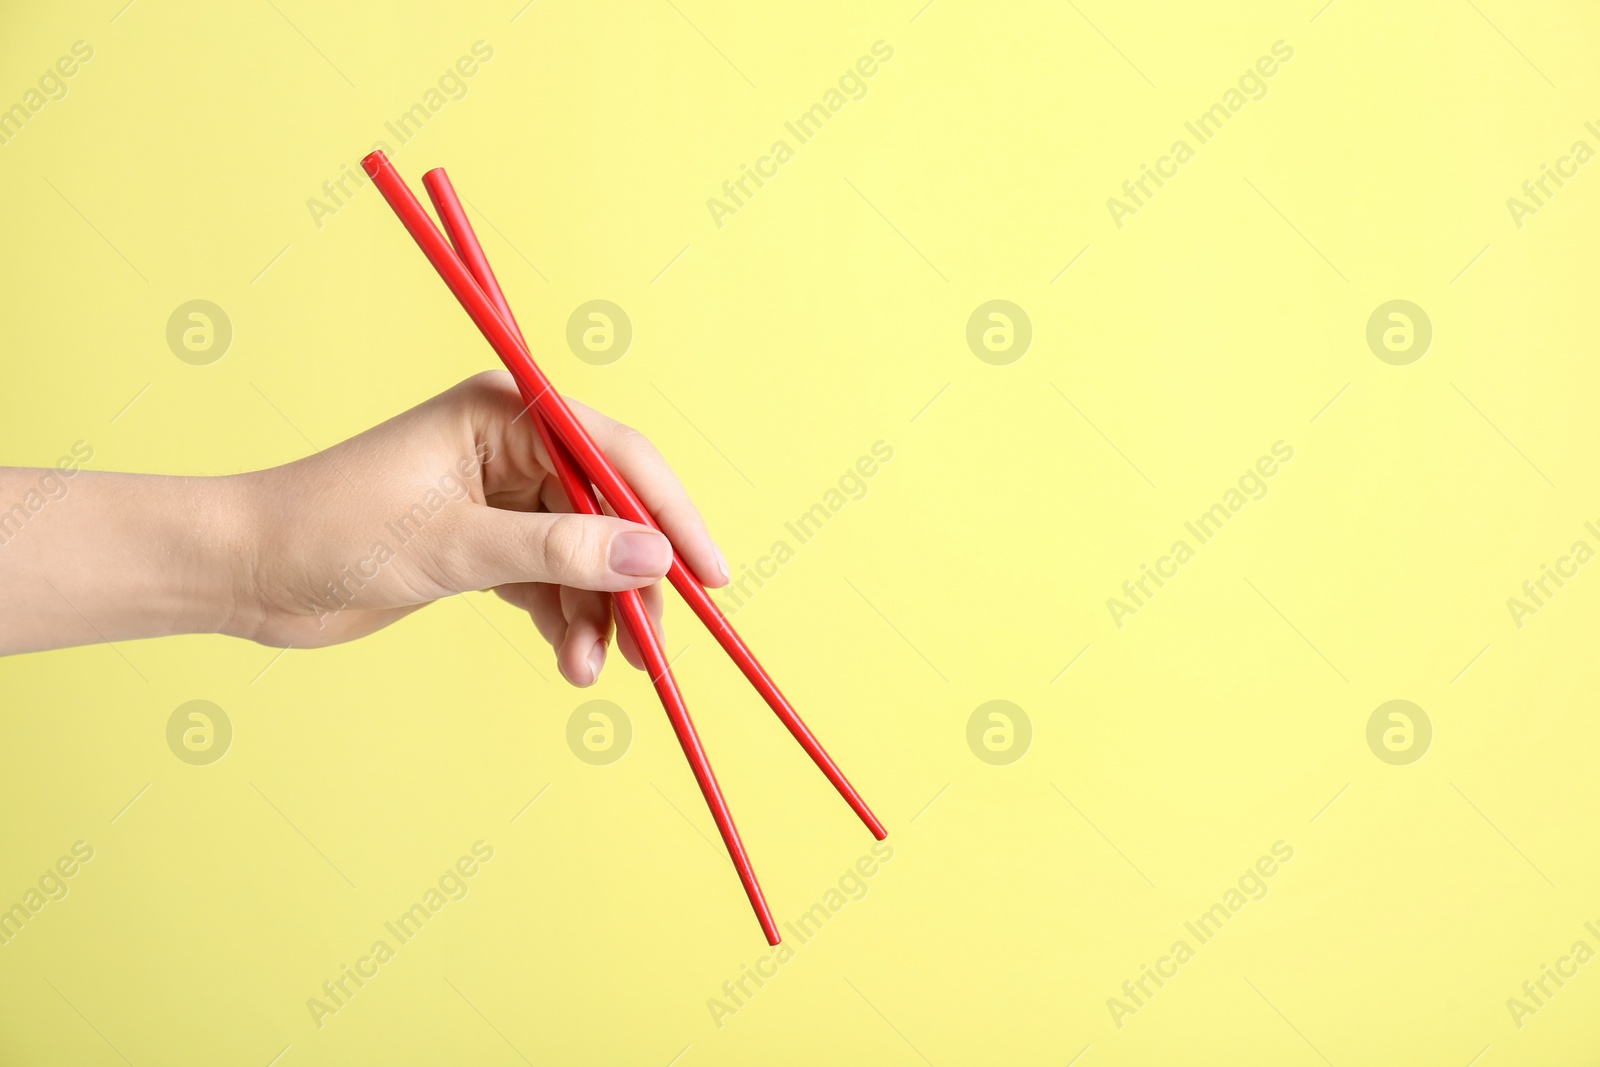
x: 578, y: 461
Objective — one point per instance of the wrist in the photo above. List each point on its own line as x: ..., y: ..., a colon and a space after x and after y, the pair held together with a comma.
x: 228, y: 596
x: 199, y: 553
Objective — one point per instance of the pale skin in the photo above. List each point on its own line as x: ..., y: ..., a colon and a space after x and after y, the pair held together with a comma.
x: 452, y: 496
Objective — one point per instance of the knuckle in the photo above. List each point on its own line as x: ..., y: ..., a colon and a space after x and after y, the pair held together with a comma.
x: 628, y: 439
x: 490, y: 381
x: 487, y: 388
x: 679, y: 514
x: 571, y: 545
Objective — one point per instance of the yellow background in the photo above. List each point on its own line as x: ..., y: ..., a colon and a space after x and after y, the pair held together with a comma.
x: 769, y: 355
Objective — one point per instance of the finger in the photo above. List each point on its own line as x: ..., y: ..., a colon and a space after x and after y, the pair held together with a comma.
x: 643, y: 468
x: 583, y: 653
x: 517, y: 466
x: 543, y: 605
x: 482, y: 547
x: 502, y: 433
x: 625, y: 642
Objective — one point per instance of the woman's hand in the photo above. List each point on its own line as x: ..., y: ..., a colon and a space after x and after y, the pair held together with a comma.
x: 454, y: 495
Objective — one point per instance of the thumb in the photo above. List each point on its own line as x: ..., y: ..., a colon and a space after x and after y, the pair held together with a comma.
x: 498, y: 547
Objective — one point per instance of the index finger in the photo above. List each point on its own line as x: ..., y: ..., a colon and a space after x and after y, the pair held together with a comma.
x: 652, y: 480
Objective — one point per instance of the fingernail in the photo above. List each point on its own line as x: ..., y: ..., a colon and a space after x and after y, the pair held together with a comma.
x: 639, y: 554
x: 597, y: 659
x: 722, y: 564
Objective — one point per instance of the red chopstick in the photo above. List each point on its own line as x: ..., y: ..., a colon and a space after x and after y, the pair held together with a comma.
x: 630, y: 606
x: 480, y: 297
x: 517, y: 359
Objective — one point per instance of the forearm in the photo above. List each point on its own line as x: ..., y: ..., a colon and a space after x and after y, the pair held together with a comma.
x: 108, y: 557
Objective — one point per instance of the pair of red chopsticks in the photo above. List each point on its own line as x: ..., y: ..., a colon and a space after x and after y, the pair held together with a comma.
x: 578, y: 461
